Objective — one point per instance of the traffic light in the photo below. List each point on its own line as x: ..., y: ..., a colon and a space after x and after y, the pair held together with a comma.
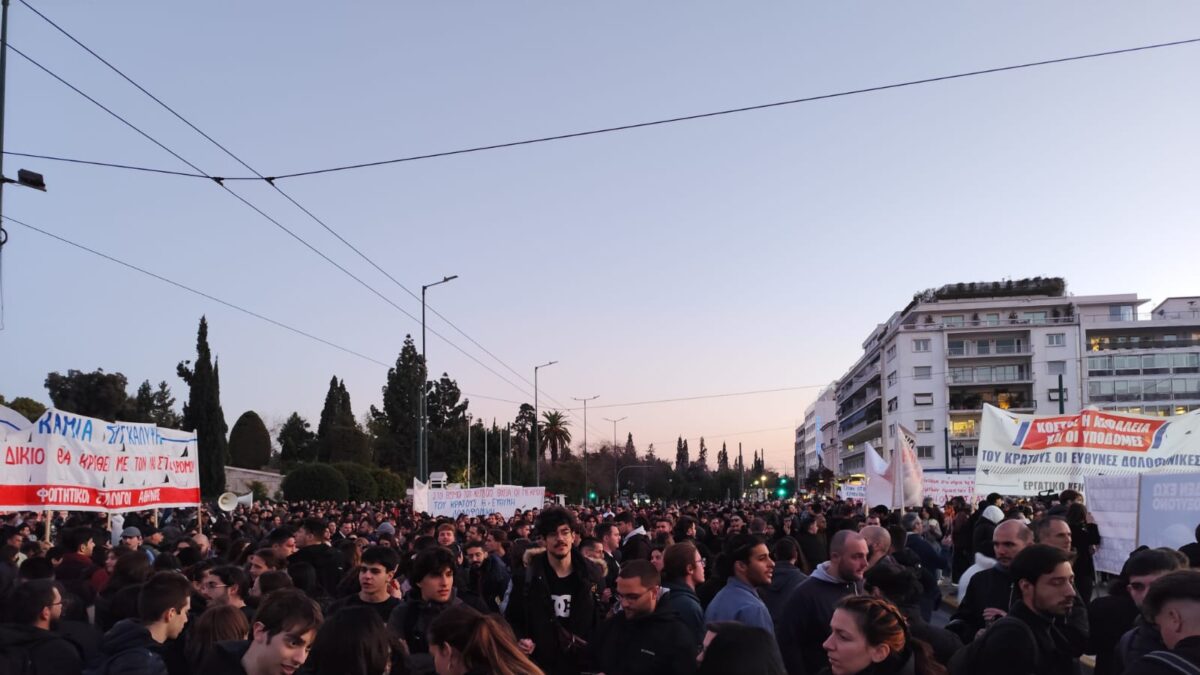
x: 591, y: 495
x: 781, y: 492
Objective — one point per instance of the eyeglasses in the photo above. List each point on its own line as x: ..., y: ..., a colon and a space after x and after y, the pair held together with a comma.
x: 632, y: 597
x: 213, y: 586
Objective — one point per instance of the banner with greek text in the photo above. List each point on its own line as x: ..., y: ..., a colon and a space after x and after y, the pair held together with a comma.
x: 11, y: 421
x: 502, y: 499
x: 942, y: 487
x: 70, y: 462
x: 1113, y: 503
x: 1169, y: 510
x: 1033, y: 453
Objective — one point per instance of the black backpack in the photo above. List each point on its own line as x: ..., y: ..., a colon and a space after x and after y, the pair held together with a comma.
x: 968, y: 661
x: 1174, y: 662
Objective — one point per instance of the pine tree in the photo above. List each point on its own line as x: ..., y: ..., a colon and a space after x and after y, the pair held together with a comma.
x: 202, y: 413
x: 396, y: 424
x: 650, y: 457
x: 681, y: 455
x: 329, y: 419
x: 702, y: 458
x: 630, y: 450
x: 759, y: 462
x: 296, y: 442
x: 339, y: 438
x: 723, y: 459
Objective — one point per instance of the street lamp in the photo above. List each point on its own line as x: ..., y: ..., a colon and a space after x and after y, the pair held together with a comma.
x: 616, y: 478
x: 585, y: 402
x: 958, y: 450
x: 423, y: 458
x: 537, y: 447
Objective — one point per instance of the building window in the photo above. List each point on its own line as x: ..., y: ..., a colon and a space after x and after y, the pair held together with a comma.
x: 891, y: 430
x: 924, y: 452
x: 992, y: 319
x: 1035, y: 317
x: 891, y: 352
x: 952, y: 321
x: 893, y: 404
x: 922, y: 372
x: 1056, y: 339
x: 1056, y: 367
x: 956, y: 347
x: 921, y: 345
x: 891, y: 378
x: 922, y: 399
x: 924, y: 426
x: 1120, y: 312
x: 1053, y: 394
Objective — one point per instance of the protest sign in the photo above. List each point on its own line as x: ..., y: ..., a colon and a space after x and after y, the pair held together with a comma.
x: 1169, y: 509
x: 942, y: 487
x: 1113, y: 503
x: 1032, y: 453
x: 70, y: 462
x: 504, y: 499
x: 848, y: 491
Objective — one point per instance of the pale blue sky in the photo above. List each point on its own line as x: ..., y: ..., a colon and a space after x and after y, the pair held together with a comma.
x: 745, y: 252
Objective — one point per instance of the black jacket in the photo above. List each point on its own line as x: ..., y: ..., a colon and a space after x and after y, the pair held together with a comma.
x: 225, y: 658
x: 1006, y: 646
x: 648, y: 645
x: 636, y: 547
x: 1187, y: 649
x: 683, y: 601
x: 804, y: 624
x: 130, y: 650
x: 1138, y: 642
x: 905, y: 664
x: 787, y: 578
x: 410, y: 621
x: 1110, y: 617
x: 48, y: 651
x: 944, y: 643
x: 531, y: 610
x: 981, y: 538
x: 327, y: 561
x: 814, y: 549
x: 992, y: 588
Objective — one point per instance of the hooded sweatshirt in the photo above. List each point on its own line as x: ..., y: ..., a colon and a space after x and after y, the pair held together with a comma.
x: 804, y: 625
x: 129, y: 649
x: 48, y: 651
x: 683, y: 601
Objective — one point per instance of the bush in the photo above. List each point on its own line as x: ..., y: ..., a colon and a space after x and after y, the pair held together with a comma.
x: 315, y: 481
x: 359, y: 483
x: 249, y: 442
x: 259, y: 490
x: 390, y: 485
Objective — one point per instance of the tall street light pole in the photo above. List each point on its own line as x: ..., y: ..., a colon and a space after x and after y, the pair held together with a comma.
x: 537, y: 447
x: 423, y: 450
x: 617, y: 472
x: 585, y: 477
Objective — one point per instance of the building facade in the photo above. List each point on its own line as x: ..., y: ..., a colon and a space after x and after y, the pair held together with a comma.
x: 819, y: 417
x: 1023, y: 346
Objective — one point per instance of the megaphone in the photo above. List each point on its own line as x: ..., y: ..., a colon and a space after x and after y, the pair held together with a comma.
x: 229, y: 501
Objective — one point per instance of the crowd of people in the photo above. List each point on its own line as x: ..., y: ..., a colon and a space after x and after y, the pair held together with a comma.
x: 797, y: 587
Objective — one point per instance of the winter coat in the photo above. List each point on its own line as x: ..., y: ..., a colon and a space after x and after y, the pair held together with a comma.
x: 48, y: 651
x: 944, y: 643
x: 129, y: 649
x: 683, y: 601
x: 410, y: 621
x: 992, y: 588
x: 1110, y: 617
x: 635, y: 546
x: 328, y: 563
x: 814, y: 547
x: 225, y: 658
x: 1138, y: 642
x: 787, y: 578
x: 804, y: 625
x: 531, y: 610
x: 1006, y: 647
x: 1187, y: 649
x: 656, y: 643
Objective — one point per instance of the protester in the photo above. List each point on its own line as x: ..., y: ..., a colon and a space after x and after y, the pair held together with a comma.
x: 313, y: 549
x: 683, y: 571
x: 227, y: 585
x: 283, y: 632
x: 1145, y: 567
x: 635, y: 545
x: 747, y: 567
x: 869, y: 635
x: 785, y: 578
x: 33, y: 611
x: 734, y: 647
x: 432, y: 579
x: 464, y: 642
x: 378, y: 589
x: 487, y: 575
x: 643, y: 638
x: 135, y: 646
x: 879, y: 545
x: 899, y: 586
x: 354, y: 641
x: 992, y: 591
x: 219, y: 623
x: 1173, y: 604
x: 805, y: 623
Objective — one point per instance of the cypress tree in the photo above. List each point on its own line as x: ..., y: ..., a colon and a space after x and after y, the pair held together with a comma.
x: 249, y: 442
x: 202, y: 413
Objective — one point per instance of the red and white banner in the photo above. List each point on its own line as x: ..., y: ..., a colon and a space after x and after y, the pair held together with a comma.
x: 70, y: 462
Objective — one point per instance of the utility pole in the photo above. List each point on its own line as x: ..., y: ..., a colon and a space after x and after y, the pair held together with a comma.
x: 468, y: 451
x: 1062, y: 396
x: 616, y: 464
x: 946, y: 440
x: 537, y: 447
x: 485, y: 457
x: 423, y: 435
x: 3, y: 84
x: 742, y: 469
x: 585, y: 476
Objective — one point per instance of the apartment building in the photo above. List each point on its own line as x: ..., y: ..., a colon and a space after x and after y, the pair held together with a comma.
x: 1024, y: 346
x: 819, y: 418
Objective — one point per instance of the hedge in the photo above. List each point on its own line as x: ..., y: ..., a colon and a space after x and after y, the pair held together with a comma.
x: 315, y: 481
x: 390, y: 485
x: 359, y: 482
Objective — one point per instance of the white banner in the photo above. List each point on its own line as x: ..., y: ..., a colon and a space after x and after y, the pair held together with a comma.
x: 1028, y: 454
x: 879, y: 488
x: 502, y: 499
x: 1168, y: 509
x: 1113, y: 503
x: 70, y: 462
x: 11, y: 421
x: 859, y: 492
x: 942, y: 487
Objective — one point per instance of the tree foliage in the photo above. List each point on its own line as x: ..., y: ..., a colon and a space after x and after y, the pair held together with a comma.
x: 315, y: 481
x: 28, y: 407
x: 389, y: 485
x: 203, y: 413
x: 249, y: 442
x: 360, y: 484
x: 96, y: 394
x: 296, y: 442
x: 554, y: 434
x: 396, y: 424
x: 723, y: 459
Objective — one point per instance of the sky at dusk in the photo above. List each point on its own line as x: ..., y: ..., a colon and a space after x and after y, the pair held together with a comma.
x: 744, y: 252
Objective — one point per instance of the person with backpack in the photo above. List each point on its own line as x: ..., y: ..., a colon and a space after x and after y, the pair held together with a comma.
x: 1025, y: 641
x: 1173, y: 604
x: 432, y: 578
x: 135, y: 646
x: 30, y: 645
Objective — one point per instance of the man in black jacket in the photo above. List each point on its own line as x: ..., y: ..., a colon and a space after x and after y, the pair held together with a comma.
x: 644, y: 638
x: 136, y: 647
x: 34, y: 608
x: 1173, y: 604
x: 1025, y: 641
x: 316, y: 551
x: 991, y: 592
x: 555, y: 610
x: 635, y: 544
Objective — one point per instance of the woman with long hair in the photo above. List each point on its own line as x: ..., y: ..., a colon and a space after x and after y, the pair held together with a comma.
x: 354, y: 641
x: 734, y: 647
x: 870, y: 635
x: 1085, y: 537
x: 463, y: 640
x: 215, y: 624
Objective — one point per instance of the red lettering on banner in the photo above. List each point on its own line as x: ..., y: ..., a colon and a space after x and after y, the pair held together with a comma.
x: 18, y: 454
x: 64, y: 456
x: 122, y: 463
x: 149, y: 496
x: 94, y: 462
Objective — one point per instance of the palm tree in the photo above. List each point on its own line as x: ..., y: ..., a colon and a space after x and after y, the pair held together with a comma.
x: 554, y: 433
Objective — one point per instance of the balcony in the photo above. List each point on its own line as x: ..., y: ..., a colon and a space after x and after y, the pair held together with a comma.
x: 1004, y: 322
x: 968, y: 377
x: 972, y: 350
x: 972, y: 403
x: 1103, y: 344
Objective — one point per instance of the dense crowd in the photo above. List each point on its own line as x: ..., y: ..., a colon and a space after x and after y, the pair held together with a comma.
x: 749, y: 588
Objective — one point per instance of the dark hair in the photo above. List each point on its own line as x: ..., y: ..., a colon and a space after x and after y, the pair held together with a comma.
x: 551, y: 519
x: 603, y: 529
x: 1037, y: 560
x: 132, y: 567
x: 354, y: 641
x: 883, y: 624
x: 267, y: 555
x: 431, y: 561
x: 1064, y: 496
x: 641, y: 570
x: 625, y: 517
x: 739, y: 648
x: 36, y: 568
x: 677, y: 559
x: 166, y: 562
x: 215, y: 624
x: 1178, y: 585
x: 290, y: 610
x: 1077, y: 513
x: 589, y: 541
x: 484, y: 641
x: 899, y: 585
x: 682, y: 526
x: 474, y: 543
x: 786, y: 549
x: 28, y: 600
x: 162, y: 592
x: 232, y: 575
x: 76, y: 538
x: 1042, y: 524
x: 737, y: 549
x: 381, y: 555
x: 1150, y: 561
x: 316, y: 527
x: 280, y: 535
x: 273, y: 580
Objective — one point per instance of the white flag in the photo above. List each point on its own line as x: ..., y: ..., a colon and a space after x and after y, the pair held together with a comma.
x: 879, y: 488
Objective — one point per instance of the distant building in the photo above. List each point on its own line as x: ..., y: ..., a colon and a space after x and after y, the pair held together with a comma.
x: 931, y: 366
x: 819, y: 417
